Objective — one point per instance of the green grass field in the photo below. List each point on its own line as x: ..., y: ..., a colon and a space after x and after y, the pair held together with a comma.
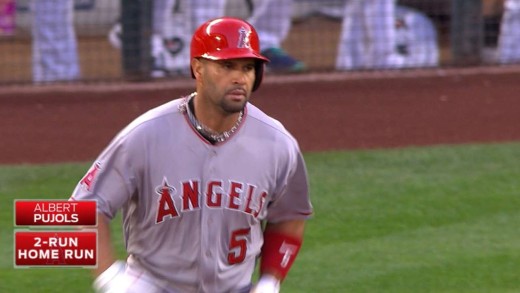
x: 439, y: 219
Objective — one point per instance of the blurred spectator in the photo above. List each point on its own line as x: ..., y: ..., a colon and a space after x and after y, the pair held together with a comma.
x: 165, y: 50
x: 416, y: 38
x: 272, y: 19
x: 173, y: 22
x: 378, y: 34
x: 509, y: 38
x: 368, y: 36
x: 161, y: 56
x: 54, y: 44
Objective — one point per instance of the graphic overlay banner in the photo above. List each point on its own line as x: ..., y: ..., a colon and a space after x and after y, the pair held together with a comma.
x: 55, y: 248
x: 69, y: 245
x: 55, y: 213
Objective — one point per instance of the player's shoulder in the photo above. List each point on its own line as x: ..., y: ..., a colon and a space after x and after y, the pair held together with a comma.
x: 167, y: 109
x: 268, y: 124
x: 151, y: 118
x: 259, y: 116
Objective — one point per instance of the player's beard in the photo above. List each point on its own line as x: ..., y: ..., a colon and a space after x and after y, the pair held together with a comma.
x: 232, y: 107
x: 229, y: 106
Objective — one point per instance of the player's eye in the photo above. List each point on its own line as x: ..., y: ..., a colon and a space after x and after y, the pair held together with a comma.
x: 228, y: 65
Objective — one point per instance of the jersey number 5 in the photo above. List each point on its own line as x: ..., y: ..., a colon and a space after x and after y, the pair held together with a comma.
x: 238, y: 246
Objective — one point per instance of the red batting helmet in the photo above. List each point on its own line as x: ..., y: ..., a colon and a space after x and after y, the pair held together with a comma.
x: 228, y: 38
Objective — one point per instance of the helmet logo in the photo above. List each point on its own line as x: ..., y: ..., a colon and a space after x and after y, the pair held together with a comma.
x: 243, y: 40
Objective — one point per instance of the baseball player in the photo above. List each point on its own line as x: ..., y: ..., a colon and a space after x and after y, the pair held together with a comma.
x: 206, y: 183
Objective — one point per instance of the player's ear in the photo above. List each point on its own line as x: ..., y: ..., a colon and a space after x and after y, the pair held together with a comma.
x: 196, y: 67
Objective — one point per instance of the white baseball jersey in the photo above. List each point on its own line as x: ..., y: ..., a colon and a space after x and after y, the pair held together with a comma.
x: 192, y: 211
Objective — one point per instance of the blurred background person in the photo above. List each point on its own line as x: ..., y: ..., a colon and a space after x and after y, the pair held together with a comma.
x: 509, y: 37
x: 273, y: 19
x: 165, y: 48
x: 379, y: 34
x: 368, y: 36
x: 54, y: 43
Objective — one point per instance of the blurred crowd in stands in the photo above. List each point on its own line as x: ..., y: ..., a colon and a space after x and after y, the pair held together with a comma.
x: 375, y: 34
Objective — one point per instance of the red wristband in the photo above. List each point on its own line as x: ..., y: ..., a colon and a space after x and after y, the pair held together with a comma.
x: 279, y: 252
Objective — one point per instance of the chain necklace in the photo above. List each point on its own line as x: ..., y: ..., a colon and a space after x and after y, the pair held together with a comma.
x: 205, y: 131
